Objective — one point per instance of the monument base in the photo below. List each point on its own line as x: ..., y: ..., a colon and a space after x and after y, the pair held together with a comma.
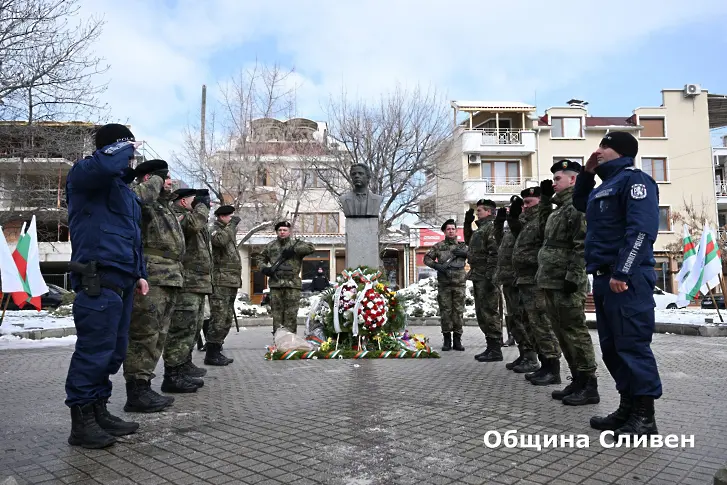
x: 362, y: 242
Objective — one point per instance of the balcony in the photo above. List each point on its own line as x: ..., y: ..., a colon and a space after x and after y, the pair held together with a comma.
x: 497, y: 189
x: 498, y: 142
x: 720, y: 190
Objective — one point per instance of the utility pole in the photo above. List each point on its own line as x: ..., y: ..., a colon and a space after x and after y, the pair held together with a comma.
x: 202, y: 124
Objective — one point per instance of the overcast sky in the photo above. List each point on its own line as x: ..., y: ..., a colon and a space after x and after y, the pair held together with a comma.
x: 616, y: 55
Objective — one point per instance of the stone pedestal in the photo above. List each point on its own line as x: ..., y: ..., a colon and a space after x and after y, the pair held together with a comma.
x: 362, y: 242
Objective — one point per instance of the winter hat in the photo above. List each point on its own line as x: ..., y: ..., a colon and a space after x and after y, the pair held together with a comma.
x: 622, y: 143
x: 112, y: 133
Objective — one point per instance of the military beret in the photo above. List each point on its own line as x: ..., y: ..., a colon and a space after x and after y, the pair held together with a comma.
x: 448, y: 222
x: 151, y: 166
x: 530, y: 192
x: 224, y: 210
x: 203, y: 192
x: 622, y: 143
x: 282, y: 224
x: 487, y: 203
x: 112, y: 133
x: 569, y: 165
x: 182, y: 193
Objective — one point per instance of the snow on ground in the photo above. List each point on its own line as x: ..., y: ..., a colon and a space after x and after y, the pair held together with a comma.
x: 421, y: 299
x: 16, y: 321
x: 249, y: 310
x: 13, y: 342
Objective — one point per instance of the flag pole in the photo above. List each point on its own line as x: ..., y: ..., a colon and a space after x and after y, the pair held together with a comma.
x: 711, y: 293
x: 5, y: 307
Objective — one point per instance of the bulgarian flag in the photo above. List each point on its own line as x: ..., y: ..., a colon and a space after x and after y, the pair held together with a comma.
x: 27, y: 260
x: 695, y: 279
x: 712, y: 263
x: 11, y: 281
x: 690, y: 256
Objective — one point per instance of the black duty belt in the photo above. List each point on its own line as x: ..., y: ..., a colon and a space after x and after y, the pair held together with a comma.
x: 551, y: 243
x: 116, y: 289
x: 604, y: 269
x: 163, y: 254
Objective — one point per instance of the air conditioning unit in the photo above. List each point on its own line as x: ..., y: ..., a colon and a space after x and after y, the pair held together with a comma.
x: 474, y: 159
x: 692, y: 90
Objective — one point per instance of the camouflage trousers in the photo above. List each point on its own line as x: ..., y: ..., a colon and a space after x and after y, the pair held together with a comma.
x: 186, y: 323
x: 516, y: 318
x: 150, y: 320
x: 487, y: 301
x: 568, y: 317
x: 222, y: 312
x: 284, y: 303
x: 451, y: 307
x: 539, y: 329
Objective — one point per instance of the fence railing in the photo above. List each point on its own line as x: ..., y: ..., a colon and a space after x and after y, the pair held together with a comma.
x: 491, y: 136
x: 720, y: 189
x: 503, y: 185
x: 62, y: 280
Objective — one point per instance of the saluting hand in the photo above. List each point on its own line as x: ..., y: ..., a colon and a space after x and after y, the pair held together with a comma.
x: 618, y: 286
x: 592, y: 163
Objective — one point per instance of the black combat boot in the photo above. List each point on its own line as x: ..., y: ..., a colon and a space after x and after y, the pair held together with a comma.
x: 85, y: 431
x: 587, y: 392
x: 458, y: 342
x: 511, y: 365
x: 191, y: 370
x: 113, y: 425
x: 528, y: 364
x: 539, y: 372
x: 493, y: 352
x: 140, y: 398
x: 176, y: 382
x: 617, y: 418
x: 214, y: 356
x: 570, y: 388
x: 551, y: 374
x: 641, y: 421
x: 447, y: 345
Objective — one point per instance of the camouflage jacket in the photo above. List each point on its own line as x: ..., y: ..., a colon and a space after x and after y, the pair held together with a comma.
x: 161, y: 234
x: 442, y: 253
x: 505, y: 274
x: 198, y: 256
x: 561, y: 257
x: 288, y: 274
x: 482, y: 254
x: 525, y: 251
x: 226, y: 262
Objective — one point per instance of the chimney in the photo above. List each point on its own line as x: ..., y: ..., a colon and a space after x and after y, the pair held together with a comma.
x: 577, y: 103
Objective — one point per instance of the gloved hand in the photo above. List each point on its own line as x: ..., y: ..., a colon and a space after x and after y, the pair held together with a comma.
x: 202, y: 199
x: 235, y: 220
x: 501, y: 215
x: 569, y: 287
x: 469, y: 217
x: 546, y: 188
x: 288, y: 252
x: 514, y: 198
x: 516, y: 208
x: 460, y: 252
x: 267, y: 271
x: 439, y: 267
x: 128, y: 176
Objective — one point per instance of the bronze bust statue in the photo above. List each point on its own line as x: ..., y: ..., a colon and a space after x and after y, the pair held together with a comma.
x: 360, y: 201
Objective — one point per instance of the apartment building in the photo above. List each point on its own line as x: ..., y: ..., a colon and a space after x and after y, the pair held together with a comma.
x: 503, y: 147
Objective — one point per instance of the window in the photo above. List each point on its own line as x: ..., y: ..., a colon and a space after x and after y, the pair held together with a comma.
x: 319, y: 223
x: 315, y: 260
x: 653, y: 127
x: 315, y: 179
x: 566, y: 128
x: 664, y: 219
x: 501, y: 173
x: 656, y: 167
x: 262, y: 177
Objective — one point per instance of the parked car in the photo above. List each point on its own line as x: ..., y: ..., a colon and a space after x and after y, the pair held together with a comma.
x: 50, y: 300
x: 708, y: 304
x: 666, y: 300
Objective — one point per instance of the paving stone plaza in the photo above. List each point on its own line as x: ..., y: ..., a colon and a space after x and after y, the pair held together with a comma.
x: 362, y: 422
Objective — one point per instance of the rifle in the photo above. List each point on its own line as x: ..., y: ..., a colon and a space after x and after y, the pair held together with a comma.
x: 281, y: 260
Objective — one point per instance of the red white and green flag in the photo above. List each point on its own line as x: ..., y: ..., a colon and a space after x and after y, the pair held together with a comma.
x: 690, y: 256
x: 27, y: 260
x: 712, y: 264
x: 11, y: 281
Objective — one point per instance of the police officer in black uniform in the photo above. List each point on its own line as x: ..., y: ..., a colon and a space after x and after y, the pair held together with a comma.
x: 622, y: 217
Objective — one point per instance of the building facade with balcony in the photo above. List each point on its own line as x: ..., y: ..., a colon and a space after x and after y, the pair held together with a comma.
x: 502, y: 148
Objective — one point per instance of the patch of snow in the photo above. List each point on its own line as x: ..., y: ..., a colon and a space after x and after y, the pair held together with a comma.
x: 421, y: 299
x: 20, y: 320
x: 13, y: 342
x: 248, y: 310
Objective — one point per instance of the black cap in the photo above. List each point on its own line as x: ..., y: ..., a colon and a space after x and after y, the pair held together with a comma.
x: 224, y: 210
x: 203, y: 192
x: 568, y: 165
x: 622, y: 143
x: 112, y: 133
x: 282, y: 224
x: 530, y: 192
x: 155, y: 166
x: 448, y: 222
x: 487, y: 203
x: 182, y: 193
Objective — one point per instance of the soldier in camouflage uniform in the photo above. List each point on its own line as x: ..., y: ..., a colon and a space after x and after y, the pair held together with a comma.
x: 525, y: 263
x: 505, y: 275
x: 192, y: 207
x: 448, y: 258
x: 152, y: 313
x: 284, y: 281
x: 482, y: 256
x: 226, y: 280
x: 562, y: 276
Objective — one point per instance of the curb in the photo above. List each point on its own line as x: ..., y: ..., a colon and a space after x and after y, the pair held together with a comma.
x: 672, y: 328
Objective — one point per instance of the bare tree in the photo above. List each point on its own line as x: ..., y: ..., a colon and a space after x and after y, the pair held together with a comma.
x: 695, y: 216
x: 247, y: 157
x: 402, y: 137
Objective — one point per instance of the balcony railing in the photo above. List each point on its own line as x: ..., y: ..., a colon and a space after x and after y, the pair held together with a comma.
x: 33, y: 199
x: 720, y: 189
x: 503, y: 185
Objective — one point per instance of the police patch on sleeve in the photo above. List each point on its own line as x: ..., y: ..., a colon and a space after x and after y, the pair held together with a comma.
x: 638, y: 191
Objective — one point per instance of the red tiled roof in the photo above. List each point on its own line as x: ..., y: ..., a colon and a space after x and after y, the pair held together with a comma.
x: 609, y: 121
